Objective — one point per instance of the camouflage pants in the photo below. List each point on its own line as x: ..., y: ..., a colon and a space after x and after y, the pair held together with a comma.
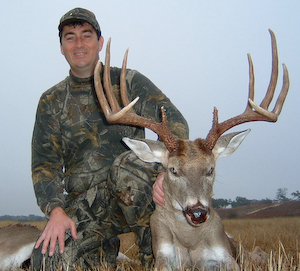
x: 121, y: 204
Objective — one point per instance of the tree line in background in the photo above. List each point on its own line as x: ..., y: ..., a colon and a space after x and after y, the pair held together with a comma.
x: 22, y: 218
x: 281, y: 196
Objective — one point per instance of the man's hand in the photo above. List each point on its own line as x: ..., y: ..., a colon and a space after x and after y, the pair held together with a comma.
x: 55, y: 230
x: 157, y: 190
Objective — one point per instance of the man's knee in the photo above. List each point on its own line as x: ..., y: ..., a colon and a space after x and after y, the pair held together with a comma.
x: 130, y: 183
x: 129, y: 175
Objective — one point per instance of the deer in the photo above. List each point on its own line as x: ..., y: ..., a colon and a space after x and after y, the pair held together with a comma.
x: 16, y: 245
x: 187, y: 232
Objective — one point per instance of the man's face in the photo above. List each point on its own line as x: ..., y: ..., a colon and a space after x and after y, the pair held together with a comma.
x: 80, y: 46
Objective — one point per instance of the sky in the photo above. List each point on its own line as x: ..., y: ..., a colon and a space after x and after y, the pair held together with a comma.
x: 194, y: 51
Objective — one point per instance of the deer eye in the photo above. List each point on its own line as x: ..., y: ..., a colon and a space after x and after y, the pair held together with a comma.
x: 173, y: 170
x: 210, y: 172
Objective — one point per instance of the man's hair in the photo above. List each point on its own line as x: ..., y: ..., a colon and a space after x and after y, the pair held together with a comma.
x: 75, y: 23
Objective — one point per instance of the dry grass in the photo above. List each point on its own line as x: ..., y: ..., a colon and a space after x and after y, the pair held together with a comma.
x: 279, y: 237
x: 271, y: 234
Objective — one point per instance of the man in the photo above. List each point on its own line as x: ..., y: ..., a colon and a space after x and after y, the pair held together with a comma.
x: 81, y: 170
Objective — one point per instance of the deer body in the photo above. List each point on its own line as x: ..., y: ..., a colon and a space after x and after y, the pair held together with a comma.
x: 186, y: 231
x: 16, y: 245
x: 176, y: 244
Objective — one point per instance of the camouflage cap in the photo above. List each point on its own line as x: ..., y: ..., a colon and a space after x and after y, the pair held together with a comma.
x: 80, y: 14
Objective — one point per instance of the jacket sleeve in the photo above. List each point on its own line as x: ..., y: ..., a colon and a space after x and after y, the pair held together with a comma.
x: 150, y: 103
x: 47, y: 157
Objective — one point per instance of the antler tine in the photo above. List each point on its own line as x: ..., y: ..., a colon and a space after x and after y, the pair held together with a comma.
x: 111, y: 108
x: 115, y: 107
x: 285, y: 88
x: 253, y: 112
x: 251, y: 83
x: 99, y: 90
x: 126, y: 115
x: 123, y: 87
x: 274, y: 74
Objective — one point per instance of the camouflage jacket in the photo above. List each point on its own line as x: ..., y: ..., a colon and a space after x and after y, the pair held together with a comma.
x: 73, y: 146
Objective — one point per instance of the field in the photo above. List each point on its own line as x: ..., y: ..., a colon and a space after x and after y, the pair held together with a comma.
x: 279, y: 237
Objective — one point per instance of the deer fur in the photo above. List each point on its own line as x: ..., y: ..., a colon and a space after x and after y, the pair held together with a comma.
x: 16, y: 245
x: 177, y: 241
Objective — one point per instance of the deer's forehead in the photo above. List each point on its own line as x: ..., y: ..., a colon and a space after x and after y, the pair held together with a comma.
x: 192, y: 153
x: 187, y: 146
x: 197, y: 157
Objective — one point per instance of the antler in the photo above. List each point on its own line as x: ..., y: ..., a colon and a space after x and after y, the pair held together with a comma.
x: 126, y: 115
x: 253, y: 112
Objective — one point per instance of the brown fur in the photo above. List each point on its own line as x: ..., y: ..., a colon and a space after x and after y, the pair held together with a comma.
x: 24, y: 234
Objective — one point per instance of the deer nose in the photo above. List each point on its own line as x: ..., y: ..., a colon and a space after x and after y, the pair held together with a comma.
x: 197, y: 214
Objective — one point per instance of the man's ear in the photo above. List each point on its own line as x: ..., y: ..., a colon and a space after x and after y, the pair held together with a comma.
x: 61, y: 49
x: 101, y: 42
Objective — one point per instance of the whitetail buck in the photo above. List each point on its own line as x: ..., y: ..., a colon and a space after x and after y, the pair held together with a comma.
x: 186, y: 231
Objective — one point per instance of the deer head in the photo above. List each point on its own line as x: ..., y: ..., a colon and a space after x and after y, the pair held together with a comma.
x: 190, y: 165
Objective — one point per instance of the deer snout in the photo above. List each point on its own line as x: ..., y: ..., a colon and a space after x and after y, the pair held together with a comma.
x: 196, y: 214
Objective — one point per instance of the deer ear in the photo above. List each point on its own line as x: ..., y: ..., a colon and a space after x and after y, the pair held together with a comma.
x: 147, y: 150
x: 227, y: 144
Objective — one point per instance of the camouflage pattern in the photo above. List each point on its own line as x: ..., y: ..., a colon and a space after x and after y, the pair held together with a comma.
x: 130, y: 184
x: 80, y: 14
x: 80, y: 164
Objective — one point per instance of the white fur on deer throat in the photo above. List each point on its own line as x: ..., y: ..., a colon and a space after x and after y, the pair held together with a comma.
x: 15, y: 260
x: 215, y: 254
x: 168, y: 251
x: 211, y: 256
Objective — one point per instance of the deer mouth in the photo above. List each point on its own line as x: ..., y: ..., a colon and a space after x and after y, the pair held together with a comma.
x: 196, y: 215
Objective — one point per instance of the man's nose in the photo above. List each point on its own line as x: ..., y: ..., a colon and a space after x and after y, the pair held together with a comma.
x: 79, y: 43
